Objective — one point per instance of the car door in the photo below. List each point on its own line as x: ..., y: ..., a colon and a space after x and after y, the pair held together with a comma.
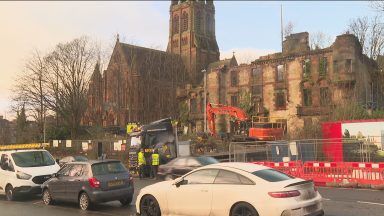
x: 193, y: 198
x: 7, y: 171
x: 57, y: 184
x: 75, y: 181
x: 229, y: 182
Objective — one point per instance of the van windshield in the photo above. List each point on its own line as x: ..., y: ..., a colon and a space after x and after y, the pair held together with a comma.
x: 33, y: 159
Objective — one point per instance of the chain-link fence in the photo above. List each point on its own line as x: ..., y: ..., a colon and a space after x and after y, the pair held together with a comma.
x: 349, y: 150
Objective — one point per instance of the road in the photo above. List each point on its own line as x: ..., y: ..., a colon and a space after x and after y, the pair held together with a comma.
x: 337, y: 202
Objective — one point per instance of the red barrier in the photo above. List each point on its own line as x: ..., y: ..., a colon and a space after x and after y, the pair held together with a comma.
x: 323, y: 173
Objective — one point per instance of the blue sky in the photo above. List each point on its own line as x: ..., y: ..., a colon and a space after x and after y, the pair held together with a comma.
x: 251, y: 28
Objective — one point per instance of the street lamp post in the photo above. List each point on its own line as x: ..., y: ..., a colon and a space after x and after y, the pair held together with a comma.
x: 205, y: 99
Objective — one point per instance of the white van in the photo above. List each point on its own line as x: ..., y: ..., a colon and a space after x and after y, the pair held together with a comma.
x: 23, y: 171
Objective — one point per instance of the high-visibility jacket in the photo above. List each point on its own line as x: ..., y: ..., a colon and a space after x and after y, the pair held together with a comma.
x: 155, y: 159
x: 141, y: 158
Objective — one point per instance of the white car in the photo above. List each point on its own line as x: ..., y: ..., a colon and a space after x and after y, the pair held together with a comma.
x: 23, y: 171
x: 232, y: 189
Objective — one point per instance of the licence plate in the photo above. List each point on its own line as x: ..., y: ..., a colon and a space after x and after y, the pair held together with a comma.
x: 311, y: 208
x: 115, y: 183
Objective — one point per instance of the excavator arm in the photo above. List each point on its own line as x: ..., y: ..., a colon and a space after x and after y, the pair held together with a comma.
x: 219, y: 109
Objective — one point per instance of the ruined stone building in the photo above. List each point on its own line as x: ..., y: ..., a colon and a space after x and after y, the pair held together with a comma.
x: 140, y: 84
x: 296, y: 86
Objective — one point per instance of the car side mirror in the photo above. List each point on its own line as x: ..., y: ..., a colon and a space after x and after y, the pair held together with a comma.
x: 180, y: 181
x: 54, y: 175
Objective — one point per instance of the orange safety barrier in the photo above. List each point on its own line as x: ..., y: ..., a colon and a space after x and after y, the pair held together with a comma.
x: 293, y: 168
x: 332, y: 172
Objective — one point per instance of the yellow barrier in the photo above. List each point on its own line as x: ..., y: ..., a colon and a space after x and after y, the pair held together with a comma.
x: 24, y: 146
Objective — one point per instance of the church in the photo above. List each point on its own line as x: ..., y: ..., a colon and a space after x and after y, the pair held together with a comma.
x: 296, y: 87
x: 140, y: 84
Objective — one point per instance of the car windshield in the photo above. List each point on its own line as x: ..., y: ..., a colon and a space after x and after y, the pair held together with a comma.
x: 108, y: 168
x: 272, y: 175
x: 33, y: 159
x: 207, y: 160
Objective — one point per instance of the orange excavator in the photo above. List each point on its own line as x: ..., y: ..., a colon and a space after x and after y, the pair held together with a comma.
x: 262, y: 128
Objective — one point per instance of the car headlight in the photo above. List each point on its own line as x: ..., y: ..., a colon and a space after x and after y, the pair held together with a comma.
x: 24, y: 176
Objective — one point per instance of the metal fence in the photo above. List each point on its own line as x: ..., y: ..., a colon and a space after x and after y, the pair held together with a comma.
x: 349, y: 150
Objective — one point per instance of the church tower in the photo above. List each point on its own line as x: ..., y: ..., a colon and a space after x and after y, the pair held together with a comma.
x: 192, y: 35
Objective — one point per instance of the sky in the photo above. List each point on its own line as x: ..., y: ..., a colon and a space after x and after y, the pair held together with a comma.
x: 249, y: 28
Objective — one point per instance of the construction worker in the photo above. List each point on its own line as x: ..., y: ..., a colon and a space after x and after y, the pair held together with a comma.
x: 141, y: 162
x: 155, y: 163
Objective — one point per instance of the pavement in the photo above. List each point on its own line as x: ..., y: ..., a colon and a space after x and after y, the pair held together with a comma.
x: 337, y: 202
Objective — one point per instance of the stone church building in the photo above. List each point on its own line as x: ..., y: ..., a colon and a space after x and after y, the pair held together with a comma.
x: 296, y: 86
x: 140, y: 84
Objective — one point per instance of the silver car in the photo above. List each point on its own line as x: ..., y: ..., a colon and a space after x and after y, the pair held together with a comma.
x: 90, y: 182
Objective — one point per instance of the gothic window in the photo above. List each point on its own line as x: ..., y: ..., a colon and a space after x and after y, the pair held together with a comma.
x: 234, y: 100
x: 176, y: 24
x: 280, y: 73
x: 184, y: 21
x: 280, y: 101
x: 348, y: 65
x: 306, y: 68
x: 184, y: 41
x: 234, y: 78
x: 323, y: 66
x: 324, y: 96
x: 175, y: 43
x: 208, y: 24
x: 257, y: 82
x: 198, y: 22
x: 307, y: 97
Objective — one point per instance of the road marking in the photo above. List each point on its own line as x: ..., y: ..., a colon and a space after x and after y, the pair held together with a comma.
x: 326, y: 199
x: 371, y: 203
x: 35, y: 203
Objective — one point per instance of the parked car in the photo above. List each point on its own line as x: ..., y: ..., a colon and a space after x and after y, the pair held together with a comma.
x: 182, y: 165
x: 90, y: 182
x: 23, y: 171
x: 231, y: 189
x: 68, y: 159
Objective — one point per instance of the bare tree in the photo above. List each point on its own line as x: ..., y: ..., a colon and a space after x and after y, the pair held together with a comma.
x: 29, y: 92
x: 69, y: 68
x: 288, y: 29
x: 376, y: 39
x: 377, y: 5
x: 370, y: 32
x: 319, y: 40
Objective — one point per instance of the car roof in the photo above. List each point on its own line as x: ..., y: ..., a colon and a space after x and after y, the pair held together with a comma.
x: 247, y: 167
x: 91, y: 162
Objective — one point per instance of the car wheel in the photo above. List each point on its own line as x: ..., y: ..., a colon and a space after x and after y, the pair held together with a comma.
x: 149, y: 206
x: 168, y: 177
x: 243, y: 209
x: 127, y: 201
x: 84, y: 201
x: 47, y: 198
x: 9, y: 193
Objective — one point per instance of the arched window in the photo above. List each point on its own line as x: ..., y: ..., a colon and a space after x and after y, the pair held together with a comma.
x: 198, y: 22
x: 208, y: 24
x: 184, y: 22
x: 176, y: 24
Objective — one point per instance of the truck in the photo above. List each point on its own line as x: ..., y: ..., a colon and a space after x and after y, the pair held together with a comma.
x: 155, y: 135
